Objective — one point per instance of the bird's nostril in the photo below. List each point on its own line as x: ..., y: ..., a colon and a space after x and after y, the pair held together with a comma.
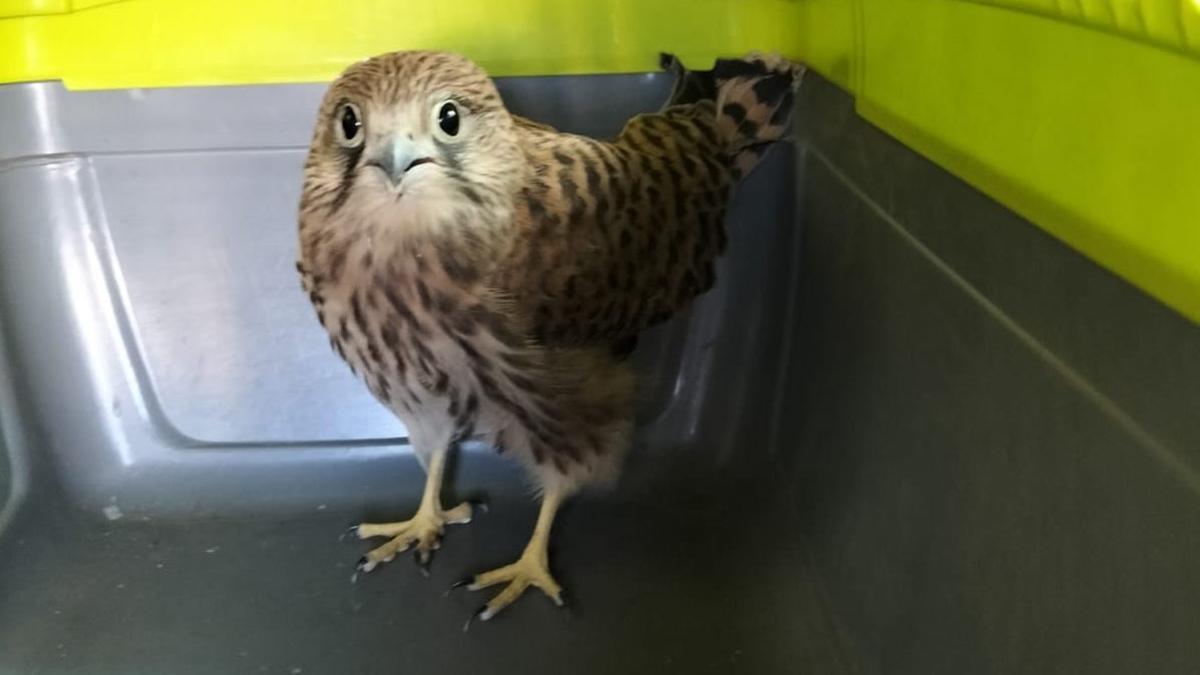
x: 417, y: 162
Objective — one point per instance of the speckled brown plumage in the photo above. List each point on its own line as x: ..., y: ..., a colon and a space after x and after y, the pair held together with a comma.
x: 483, y: 274
x: 613, y: 237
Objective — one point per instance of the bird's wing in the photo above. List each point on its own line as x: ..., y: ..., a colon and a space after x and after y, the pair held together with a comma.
x: 617, y: 236
x: 529, y: 125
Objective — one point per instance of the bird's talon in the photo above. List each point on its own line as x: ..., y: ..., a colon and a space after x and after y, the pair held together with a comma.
x: 478, y: 613
x: 458, y: 584
x: 565, y: 606
x: 422, y: 560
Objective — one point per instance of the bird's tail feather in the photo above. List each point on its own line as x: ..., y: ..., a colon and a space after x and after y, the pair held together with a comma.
x: 753, y: 97
x: 690, y: 86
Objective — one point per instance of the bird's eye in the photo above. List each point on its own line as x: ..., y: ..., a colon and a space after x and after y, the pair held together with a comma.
x: 349, y: 125
x: 448, y: 118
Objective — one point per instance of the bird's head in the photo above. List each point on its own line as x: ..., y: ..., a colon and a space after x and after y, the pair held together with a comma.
x: 411, y: 143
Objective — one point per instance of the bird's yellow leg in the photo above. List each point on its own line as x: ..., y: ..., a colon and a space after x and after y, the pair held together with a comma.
x: 424, y: 531
x: 531, y: 569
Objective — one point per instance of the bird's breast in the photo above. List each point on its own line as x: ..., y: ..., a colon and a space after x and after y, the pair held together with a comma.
x: 421, y: 342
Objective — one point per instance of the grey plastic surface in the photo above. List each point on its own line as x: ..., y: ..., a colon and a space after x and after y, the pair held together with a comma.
x: 148, y: 256
x: 195, y: 448
x: 997, y: 441
x: 908, y: 432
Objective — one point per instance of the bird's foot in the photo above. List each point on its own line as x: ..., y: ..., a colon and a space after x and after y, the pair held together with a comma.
x: 530, y: 570
x: 423, y: 533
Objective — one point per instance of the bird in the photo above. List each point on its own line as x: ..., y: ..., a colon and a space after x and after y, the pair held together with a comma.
x: 486, y: 276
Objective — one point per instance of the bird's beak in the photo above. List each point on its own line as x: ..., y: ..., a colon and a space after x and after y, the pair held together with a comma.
x: 403, y: 153
x: 404, y: 156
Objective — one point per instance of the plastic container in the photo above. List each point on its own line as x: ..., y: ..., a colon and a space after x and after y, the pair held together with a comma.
x: 909, y: 431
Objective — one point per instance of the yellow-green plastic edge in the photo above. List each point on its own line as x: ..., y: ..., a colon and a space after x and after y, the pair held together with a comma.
x: 1083, y: 116
x: 92, y: 44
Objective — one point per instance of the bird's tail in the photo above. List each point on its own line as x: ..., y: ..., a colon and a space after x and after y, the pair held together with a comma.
x: 753, y: 97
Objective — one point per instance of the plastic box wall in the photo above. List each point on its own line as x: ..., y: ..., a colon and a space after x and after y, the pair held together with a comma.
x: 908, y: 432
